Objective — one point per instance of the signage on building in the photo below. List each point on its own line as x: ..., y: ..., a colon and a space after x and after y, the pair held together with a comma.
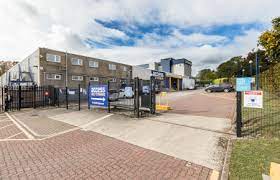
x: 243, y: 84
x: 158, y: 75
x: 253, y: 99
x: 98, y: 95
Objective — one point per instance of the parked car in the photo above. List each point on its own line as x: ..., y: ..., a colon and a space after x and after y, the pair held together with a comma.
x: 220, y: 88
x: 126, y: 92
x: 113, y: 95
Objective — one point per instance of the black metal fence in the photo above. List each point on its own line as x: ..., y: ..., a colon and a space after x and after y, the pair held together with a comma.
x: 72, y: 98
x: 14, y: 98
x: 263, y: 122
x: 17, y: 97
x: 137, y: 96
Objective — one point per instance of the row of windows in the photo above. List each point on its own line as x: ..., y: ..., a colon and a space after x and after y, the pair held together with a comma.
x: 74, y: 78
x: 79, y: 62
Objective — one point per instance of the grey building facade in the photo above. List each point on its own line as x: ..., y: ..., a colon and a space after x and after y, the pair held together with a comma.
x: 182, y: 67
x: 61, y: 69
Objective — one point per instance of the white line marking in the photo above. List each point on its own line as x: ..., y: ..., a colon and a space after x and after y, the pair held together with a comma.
x: 60, y: 133
x: 22, y: 129
x: 25, y: 126
x: 8, y: 140
x: 97, y: 120
x: 10, y: 137
x: 6, y: 126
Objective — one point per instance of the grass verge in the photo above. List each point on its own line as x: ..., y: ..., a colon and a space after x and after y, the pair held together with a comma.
x: 251, y: 158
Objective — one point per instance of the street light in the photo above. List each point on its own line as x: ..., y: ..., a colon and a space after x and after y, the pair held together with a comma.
x: 243, y: 72
x: 251, y: 67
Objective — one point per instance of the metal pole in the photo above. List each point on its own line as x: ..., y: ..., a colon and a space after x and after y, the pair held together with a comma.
x: 34, y: 96
x: 251, y: 69
x: 137, y: 98
x: 66, y: 98
x: 109, y: 105
x: 257, y: 71
x: 19, y: 97
x: 238, y: 108
x: 79, y: 97
x: 2, y: 98
x: 66, y: 72
x: 88, y: 91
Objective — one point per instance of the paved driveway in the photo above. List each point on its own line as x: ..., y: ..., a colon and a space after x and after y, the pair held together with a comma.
x: 82, y: 154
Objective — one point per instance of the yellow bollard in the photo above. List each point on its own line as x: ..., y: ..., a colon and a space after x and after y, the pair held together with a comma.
x: 162, y: 107
x: 274, y: 171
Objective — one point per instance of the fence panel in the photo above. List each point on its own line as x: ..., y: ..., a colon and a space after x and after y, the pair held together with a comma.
x: 2, y: 105
x: 264, y: 122
x: 121, y: 95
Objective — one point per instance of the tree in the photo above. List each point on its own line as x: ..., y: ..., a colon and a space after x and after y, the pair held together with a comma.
x: 207, y: 75
x: 228, y: 69
x: 270, y: 40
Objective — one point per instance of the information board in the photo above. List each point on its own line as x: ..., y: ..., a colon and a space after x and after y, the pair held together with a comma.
x: 253, y: 99
x: 98, y: 95
x: 243, y: 84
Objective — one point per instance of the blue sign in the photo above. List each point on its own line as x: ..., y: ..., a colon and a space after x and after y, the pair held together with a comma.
x: 243, y: 84
x: 98, y: 95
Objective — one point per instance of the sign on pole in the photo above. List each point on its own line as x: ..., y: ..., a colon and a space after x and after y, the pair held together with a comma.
x: 98, y: 95
x: 243, y: 84
x: 253, y: 99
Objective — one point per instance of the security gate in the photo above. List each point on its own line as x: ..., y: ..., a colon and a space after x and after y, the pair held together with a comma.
x: 137, y: 96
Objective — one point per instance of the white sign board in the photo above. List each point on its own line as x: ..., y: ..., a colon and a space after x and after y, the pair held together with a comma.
x: 128, y: 92
x: 253, y: 99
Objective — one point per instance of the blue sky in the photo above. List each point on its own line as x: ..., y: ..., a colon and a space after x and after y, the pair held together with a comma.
x: 136, y: 31
x: 139, y: 30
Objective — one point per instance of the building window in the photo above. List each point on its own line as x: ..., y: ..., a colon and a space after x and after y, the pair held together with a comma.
x: 112, y: 67
x: 124, y: 68
x: 113, y: 80
x: 96, y: 79
x: 53, y: 58
x: 53, y: 76
x: 77, y: 62
x: 77, y: 78
x: 93, y: 64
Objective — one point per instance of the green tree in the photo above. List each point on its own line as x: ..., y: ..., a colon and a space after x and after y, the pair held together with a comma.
x: 228, y: 69
x: 207, y: 75
x: 270, y: 40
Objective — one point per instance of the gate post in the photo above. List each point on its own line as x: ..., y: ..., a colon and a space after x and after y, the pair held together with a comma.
x: 137, y: 97
x: 238, y: 105
x: 79, y: 95
x: 238, y: 114
x: 88, y: 91
x: 153, y: 95
x: 66, y: 98
x: 109, y: 105
x: 19, y: 97
x: 6, y: 99
x: 34, y: 96
x: 2, y: 99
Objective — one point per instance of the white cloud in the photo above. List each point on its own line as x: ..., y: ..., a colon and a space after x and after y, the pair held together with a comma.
x: 64, y: 25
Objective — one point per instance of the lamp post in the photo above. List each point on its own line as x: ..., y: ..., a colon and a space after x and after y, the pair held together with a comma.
x: 251, y: 67
x: 243, y: 72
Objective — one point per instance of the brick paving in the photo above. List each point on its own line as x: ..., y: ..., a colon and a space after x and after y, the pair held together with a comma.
x: 8, y: 128
x: 89, y: 155
x: 218, y: 105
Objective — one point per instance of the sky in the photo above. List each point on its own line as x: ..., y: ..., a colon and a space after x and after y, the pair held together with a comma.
x: 207, y: 32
